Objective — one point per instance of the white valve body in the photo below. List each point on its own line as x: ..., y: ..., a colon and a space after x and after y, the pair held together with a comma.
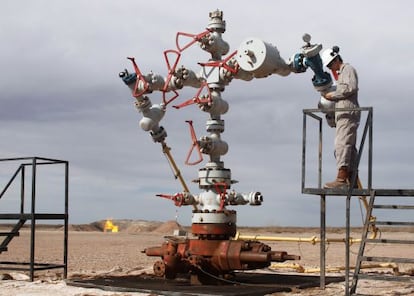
x: 261, y: 59
x: 151, y: 117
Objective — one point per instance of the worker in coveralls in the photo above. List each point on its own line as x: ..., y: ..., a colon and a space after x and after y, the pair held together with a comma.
x: 347, y: 122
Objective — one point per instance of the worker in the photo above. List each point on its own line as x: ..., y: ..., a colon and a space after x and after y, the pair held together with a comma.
x: 346, y: 122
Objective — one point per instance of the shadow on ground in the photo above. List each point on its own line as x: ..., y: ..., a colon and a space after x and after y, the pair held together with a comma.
x: 246, y: 284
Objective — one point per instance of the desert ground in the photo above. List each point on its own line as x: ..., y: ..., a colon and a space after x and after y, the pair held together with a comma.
x: 93, y: 252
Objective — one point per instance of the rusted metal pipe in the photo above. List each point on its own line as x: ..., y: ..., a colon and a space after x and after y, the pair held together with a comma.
x: 255, y: 257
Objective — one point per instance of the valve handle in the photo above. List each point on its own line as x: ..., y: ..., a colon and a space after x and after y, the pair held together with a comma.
x: 177, y: 198
x: 140, y: 78
x: 167, y: 101
x: 223, y: 64
x: 219, y: 186
x: 194, y: 145
x: 171, y: 71
x: 196, y: 99
x: 195, y: 38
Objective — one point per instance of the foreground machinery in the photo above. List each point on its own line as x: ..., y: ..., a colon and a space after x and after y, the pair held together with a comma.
x: 212, y: 253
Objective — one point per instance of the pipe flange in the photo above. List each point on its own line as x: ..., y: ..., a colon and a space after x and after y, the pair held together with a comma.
x: 159, y: 268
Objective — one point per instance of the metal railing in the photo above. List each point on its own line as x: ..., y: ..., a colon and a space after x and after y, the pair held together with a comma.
x: 367, y: 132
x: 33, y: 215
x: 349, y: 192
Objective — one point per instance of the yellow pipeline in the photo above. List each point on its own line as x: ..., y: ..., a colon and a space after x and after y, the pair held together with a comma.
x: 394, y: 267
x: 313, y: 240
x: 299, y: 268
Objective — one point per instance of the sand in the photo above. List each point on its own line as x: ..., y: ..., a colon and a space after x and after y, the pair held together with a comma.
x: 93, y: 252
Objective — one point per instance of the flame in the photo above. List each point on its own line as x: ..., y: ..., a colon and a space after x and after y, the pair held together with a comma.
x: 110, y: 227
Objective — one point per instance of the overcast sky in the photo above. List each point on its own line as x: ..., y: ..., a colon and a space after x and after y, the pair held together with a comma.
x: 61, y: 98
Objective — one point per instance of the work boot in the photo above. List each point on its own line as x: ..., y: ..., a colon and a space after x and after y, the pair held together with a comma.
x: 341, y: 181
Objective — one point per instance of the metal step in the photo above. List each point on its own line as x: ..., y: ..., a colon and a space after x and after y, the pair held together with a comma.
x: 389, y: 241
x: 394, y: 192
x: 393, y: 207
x: 376, y: 277
x: 387, y: 259
x: 10, y: 233
x: 393, y: 223
x: 365, y: 240
x: 40, y: 216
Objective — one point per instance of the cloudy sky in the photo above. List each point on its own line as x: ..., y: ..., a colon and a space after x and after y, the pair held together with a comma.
x: 61, y: 98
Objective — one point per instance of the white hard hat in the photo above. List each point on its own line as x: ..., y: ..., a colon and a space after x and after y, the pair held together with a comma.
x: 328, y: 55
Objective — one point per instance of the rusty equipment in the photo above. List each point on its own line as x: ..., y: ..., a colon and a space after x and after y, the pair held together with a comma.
x: 207, y: 260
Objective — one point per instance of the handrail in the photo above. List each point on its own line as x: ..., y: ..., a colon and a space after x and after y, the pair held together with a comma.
x: 367, y: 132
x: 11, y: 181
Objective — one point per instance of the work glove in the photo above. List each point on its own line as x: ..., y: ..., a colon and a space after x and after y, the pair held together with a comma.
x: 330, y: 119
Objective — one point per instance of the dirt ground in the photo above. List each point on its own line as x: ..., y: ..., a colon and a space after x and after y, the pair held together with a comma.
x: 92, y: 252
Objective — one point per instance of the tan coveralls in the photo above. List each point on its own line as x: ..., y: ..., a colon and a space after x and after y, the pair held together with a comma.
x: 347, y: 122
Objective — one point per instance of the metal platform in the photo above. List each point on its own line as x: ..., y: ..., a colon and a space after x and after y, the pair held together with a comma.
x: 358, y: 192
x: 347, y: 194
x: 242, y: 284
x: 318, y: 190
x: 355, y: 187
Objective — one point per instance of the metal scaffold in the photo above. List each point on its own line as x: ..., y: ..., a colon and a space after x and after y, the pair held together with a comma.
x: 27, y: 211
x: 367, y: 195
